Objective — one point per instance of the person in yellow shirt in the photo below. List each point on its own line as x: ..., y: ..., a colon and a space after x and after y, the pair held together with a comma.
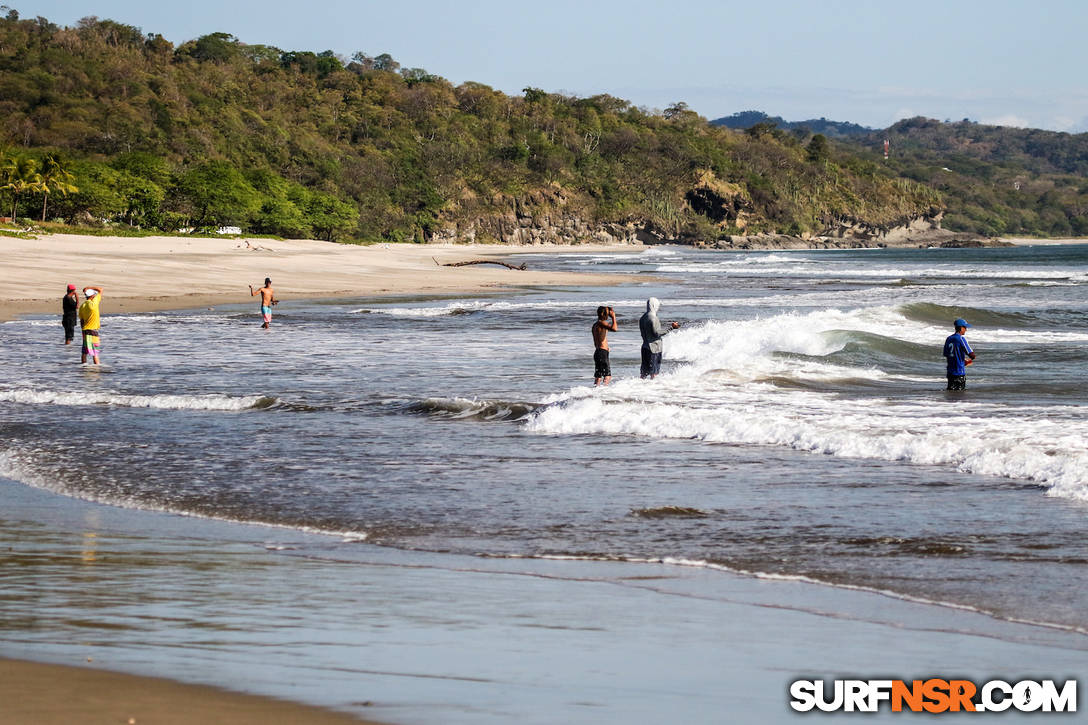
x: 89, y: 322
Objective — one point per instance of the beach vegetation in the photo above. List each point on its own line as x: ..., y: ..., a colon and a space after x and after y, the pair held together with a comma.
x: 56, y: 177
x: 18, y: 176
x: 214, y: 194
x: 218, y: 132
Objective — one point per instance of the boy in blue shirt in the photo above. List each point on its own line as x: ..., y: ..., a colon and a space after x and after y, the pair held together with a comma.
x: 959, y: 355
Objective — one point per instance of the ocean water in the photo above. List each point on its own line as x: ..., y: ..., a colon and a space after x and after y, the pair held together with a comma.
x: 800, y: 428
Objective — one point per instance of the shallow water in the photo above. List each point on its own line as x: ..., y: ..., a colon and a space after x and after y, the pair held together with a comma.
x: 800, y: 427
x: 414, y: 637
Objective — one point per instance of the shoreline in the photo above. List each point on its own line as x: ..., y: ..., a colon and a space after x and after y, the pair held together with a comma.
x: 154, y: 274
x: 496, y: 647
x: 51, y: 694
x: 1032, y: 242
x: 151, y: 274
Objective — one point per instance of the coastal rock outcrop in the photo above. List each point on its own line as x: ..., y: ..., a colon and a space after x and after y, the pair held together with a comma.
x: 555, y: 216
x: 550, y: 216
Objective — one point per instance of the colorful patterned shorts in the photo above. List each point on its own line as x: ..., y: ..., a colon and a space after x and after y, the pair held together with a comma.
x: 91, y: 343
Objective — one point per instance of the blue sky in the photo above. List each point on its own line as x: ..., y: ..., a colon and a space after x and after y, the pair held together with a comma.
x: 1004, y: 62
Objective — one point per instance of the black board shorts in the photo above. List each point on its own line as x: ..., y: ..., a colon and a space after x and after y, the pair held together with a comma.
x: 601, y: 367
x: 651, y: 362
x: 957, y: 382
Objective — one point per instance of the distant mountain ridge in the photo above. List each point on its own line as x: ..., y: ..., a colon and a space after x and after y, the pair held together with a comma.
x: 832, y: 129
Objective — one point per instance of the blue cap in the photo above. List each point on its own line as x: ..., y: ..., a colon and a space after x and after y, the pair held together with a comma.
x: 960, y: 322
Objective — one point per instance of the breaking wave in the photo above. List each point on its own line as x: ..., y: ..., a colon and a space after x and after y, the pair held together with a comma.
x: 775, y: 382
x: 166, y: 402
x: 465, y: 408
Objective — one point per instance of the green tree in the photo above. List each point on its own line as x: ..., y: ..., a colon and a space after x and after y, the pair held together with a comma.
x: 280, y: 211
x: 330, y: 217
x: 98, y: 198
x: 145, y: 165
x: 385, y: 62
x: 817, y: 149
x: 19, y: 175
x: 677, y: 109
x: 142, y: 199
x: 328, y: 63
x: 534, y: 95
x: 215, y: 47
x: 281, y: 217
x: 56, y: 176
x: 215, y: 194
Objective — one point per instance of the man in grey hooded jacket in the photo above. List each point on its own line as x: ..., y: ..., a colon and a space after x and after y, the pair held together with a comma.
x: 652, y: 332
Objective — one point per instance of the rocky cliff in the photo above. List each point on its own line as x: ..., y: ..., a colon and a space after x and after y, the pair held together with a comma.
x: 553, y: 216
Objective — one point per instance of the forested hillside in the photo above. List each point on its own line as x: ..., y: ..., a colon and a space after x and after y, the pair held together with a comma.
x: 105, y: 123
x: 994, y: 180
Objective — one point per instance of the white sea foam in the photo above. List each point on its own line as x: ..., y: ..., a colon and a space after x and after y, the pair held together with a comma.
x: 991, y: 442
x: 855, y: 272
x: 168, y: 402
x: 653, y: 252
x: 468, y: 306
x: 130, y: 321
x: 719, y: 394
x: 672, y: 305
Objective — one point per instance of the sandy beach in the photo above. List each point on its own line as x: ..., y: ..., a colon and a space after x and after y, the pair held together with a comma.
x: 145, y: 274
x: 57, y: 695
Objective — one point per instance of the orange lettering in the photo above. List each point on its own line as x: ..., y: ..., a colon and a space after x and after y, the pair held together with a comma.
x: 936, y: 691
x: 911, y: 695
x: 961, y: 692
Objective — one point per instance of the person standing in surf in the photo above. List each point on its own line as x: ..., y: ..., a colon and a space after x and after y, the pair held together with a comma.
x: 89, y: 323
x: 652, y: 332
x: 268, y: 299
x: 959, y: 355
x: 70, y: 309
x: 602, y: 369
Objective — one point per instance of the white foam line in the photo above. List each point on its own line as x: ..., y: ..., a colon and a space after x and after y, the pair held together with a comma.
x: 16, y: 472
x: 800, y: 578
x: 166, y: 402
x: 848, y: 272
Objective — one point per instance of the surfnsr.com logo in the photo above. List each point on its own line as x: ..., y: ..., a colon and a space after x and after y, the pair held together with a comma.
x: 933, y: 695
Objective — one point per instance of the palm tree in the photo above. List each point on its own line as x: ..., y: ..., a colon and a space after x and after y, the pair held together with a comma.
x: 55, y: 176
x: 19, y: 174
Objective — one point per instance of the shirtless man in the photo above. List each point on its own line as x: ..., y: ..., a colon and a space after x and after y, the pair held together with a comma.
x: 606, y: 321
x: 268, y: 299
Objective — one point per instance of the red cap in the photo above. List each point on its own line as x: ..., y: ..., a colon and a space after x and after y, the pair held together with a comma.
x: 71, y: 287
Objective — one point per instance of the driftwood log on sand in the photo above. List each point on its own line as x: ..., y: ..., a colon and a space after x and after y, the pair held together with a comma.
x: 520, y: 267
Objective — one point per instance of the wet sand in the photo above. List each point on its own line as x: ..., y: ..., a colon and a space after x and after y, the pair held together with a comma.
x: 417, y: 638
x: 147, y: 274
x: 41, y: 694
